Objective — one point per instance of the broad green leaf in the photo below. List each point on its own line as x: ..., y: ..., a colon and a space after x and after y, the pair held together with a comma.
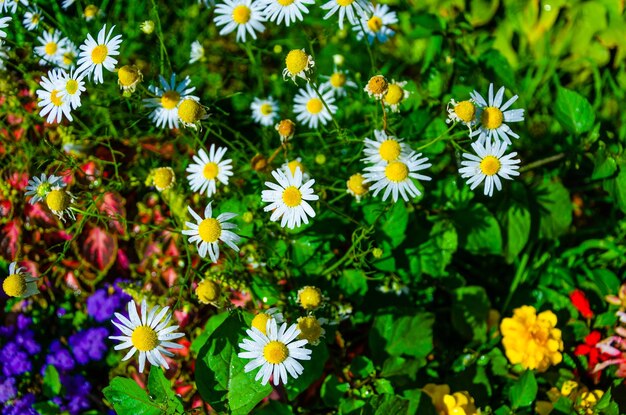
x: 402, y: 336
x: 353, y: 283
x: 220, y: 375
x: 605, y: 165
x: 128, y: 398
x: 210, y: 326
x: 310, y: 253
x: 394, y: 224
x: 436, y: 253
x: 617, y: 187
x: 386, y: 404
x: 518, y: 223
x: 478, y: 230
x: 361, y: 367
x: 470, y: 309
x: 419, y: 402
x: 46, y: 408
x: 351, y: 406
x: 274, y: 408
x: 332, y: 391
x: 524, y: 391
x: 555, y: 209
x: 401, y: 366
x: 573, y: 111
x: 313, y: 370
x: 161, y: 391
x: 51, y: 382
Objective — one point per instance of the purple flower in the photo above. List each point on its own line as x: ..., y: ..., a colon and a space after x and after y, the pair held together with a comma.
x: 15, y: 360
x: 8, y: 390
x: 89, y: 344
x: 23, y: 322
x: 22, y: 406
x: 59, y: 357
x: 105, y: 301
x: 26, y: 339
x: 78, y: 388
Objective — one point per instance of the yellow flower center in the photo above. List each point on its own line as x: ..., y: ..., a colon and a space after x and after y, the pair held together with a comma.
x: 394, y: 95
x: 35, y: 18
x: 14, y: 285
x: 377, y: 85
x: 356, y: 185
x: 266, y: 109
x: 144, y: 338
x: 296, y: 61
x: 309, y: 328
x: 68, y: 58
x: 295, y: 164
x: 310, y: 297
x: 43, y: 189
x: 241, y: 14
x: 58, y: 200
x: 170, y: 99
x: 337, y: 80
x: 210, y: 230
x: 345, y: 3
x: 91, y: 11
x: 71, y: 86
x: 55, y: 98
x: 286, y: 128
x: 375, y: 23
x: 260, y: 322
x: 208, y: 291
x: 99, y: 54
x: 285, y: 2
x: 51, y: 48
x: 389, y: 150
x: 275, y: 352
x: 490, y: 165
x: 210, y: 171
x: 314, y: 106
x: 163, y: 178
x: 465, y: 110
x: 397, y: 171
x: 128, y: 75
x: 190, y: 111
x: 492, y: 118
x: 292, y: 196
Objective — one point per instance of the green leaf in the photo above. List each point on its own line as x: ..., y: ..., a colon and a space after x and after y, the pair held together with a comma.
x: 394, y: 224
x: 353, y: 283
x: 46, y: 408
x: 313, y: 370
x: 573, y: 111
x: 478, y: 230
x: 128, y: 398
x: 470, y: 309
x: 51, y: 382
x: 401, y: 366
x: 351, y: 406
x: 555, y: 209
x: 361, y: 367
x: 436, y: 253
x: 605, y: 165
x: 524, y: 390
x: 386, y: 404
x: 332, y: 391
x: 518, y: 224
x: 617, y: 188
x: 419, y: 402
x: 220, y: 373
x: 161, y: 391
x: 210, y: 326
x: 406, y: 335
x: 275, y: 408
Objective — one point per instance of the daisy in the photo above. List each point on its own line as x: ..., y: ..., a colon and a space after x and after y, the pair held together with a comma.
x: 310, y: 109
x: 128, y: 77
x: 264, y: 111
x: 147, y: 334
x: 39, y: 187
x: 163, y: 178
x: 384, y: 149
x: 4, y: 23
x: 311, y: 329
x: 11, y: 5
x: 310, y: 297
x: 197, y: 52
x: 243, y: 15
x: 291, y: 10
x: 296, y: 164
x: 338, y: 82
x: 51, y: 100
x: 463, y: 112
x: 209, y: 168
x: 95, y: 55
x: 32, y: 18
x: 168, y: 98
x: 377, y: 87
x: 356, y: 186
x: 286, y: 129
x: 68, y: 55
x: 489, y: 165
x: 298, y: 63
x: 67, y: 3
x: 347, y: 8
x: 395, y: 95
x: 19, y: 284
x: 51, y: 46
x: 208, y: 231
x: 91, y: 11
x: 494, y: 116
x: 260, y: 320
x: 288, y: 199
x: 375, y: 23
x: 59, y: 200
x: 276, y: 353
x: 396, y: 177
x: 4, y: 56
x: 190, y: 112
x: 72, y: 86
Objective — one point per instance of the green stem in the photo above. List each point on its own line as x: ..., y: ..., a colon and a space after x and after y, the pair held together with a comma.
x: 439, y: 137
x: 162, y: 50
x: 541, y: 162
x: 317, y: 91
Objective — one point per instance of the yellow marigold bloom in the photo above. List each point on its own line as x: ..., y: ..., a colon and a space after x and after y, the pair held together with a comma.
x: 532, y: 339
x: 458, y: 403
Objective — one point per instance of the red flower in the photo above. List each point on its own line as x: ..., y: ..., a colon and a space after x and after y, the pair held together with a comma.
x: 579, y: 300
x: 594, y: 355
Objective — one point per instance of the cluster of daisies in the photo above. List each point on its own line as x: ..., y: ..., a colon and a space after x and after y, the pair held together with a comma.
x: 487, y: 122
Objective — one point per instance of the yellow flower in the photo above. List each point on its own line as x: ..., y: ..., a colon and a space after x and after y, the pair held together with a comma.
x: 458, y: 403
x: 532, y: 339
x: 588, y: 401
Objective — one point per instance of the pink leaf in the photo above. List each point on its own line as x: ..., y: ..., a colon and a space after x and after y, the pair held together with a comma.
x: 37, y: 214
x: 112, y: 205
x: 10, y: 239
x: 98, y: 247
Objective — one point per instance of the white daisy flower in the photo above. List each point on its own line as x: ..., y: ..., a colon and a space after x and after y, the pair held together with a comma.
x: 489, y: 165
x: 310, y: 109
x: 197, y: 52
x: 95, y: 55
x: 311, y: 329
x: 51, y: 100
x: 276, y: 353
x: 209, y: 168
x: 260, y: 320
x: 288, y: 199
x: 92, y: 11
x: 67, y: 3
x: 11, y: 5
x: 32, y: 18
x: 494, y: 116
x: 4, y: 56
x: 287, y: 10
x: 396, y: 177
x: 147, y: 334
x: 264, y: 111
x: 59, y: 202
x: 375, y: 23
x: 72, y: 86
x: 384, y: 149
x: 347, y: 8
x: 4, y: 23
x: 51, y: 46
x: 395, y: 95
x: 243, y: 15
x: 68, y: 55
x: 296, y: 164
x: 463, y: 112
x: 167, y: 101
x: 297, y: 64
x: 208, y: 231
x: 39, y: 187
x: 338, y: 82
x: 18, y: 283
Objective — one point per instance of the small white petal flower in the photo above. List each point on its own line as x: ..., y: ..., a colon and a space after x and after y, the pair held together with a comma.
x: 297, y: 64
x: 395, y: 95
x: 244, y: 16
x: 95, y: 55
x: 18, y: 283
x: 289, y: 11
x: 494, y: 115
x: 197, y: 52
x: 264, y: 111
x: 208, y: 231
x: 59, y: 202
x: 347, y: 8
x: 51, y: 47
x: 310, y: 109
x: 207, y: 169
x: 375, y: 23
x: 463, y: 112
x: 168, y: 99
x: 72, y: 86
x: 489, y: 165
x: 11, y: 5
x: 32, y: 18
x: 147, y: 333
x: 39, y: 187
x: 4, y: 23
x: 396, y: 177
x: 384, y: 149
x: 51, y: 99
x: 338, y: 82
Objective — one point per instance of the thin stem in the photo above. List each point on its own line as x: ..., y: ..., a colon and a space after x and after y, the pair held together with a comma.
x: 162, y: 51
x: 434, y: 140
x: 317, y: 91
x: 541, y: 162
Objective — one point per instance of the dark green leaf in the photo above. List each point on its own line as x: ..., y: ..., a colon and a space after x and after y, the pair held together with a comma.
x: 436, y: 253
x: 313, y: 370
x: 51, y: 382
x: 361, y: 367
x: 573, y: 111
x: 47, y: 408
x: 128, y: 398
x: 555, y: 209
x: 478, y: 230
x: 332, y: 390
x: 524, y: 390
x: 470, y: 309
x: 354, y: 283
